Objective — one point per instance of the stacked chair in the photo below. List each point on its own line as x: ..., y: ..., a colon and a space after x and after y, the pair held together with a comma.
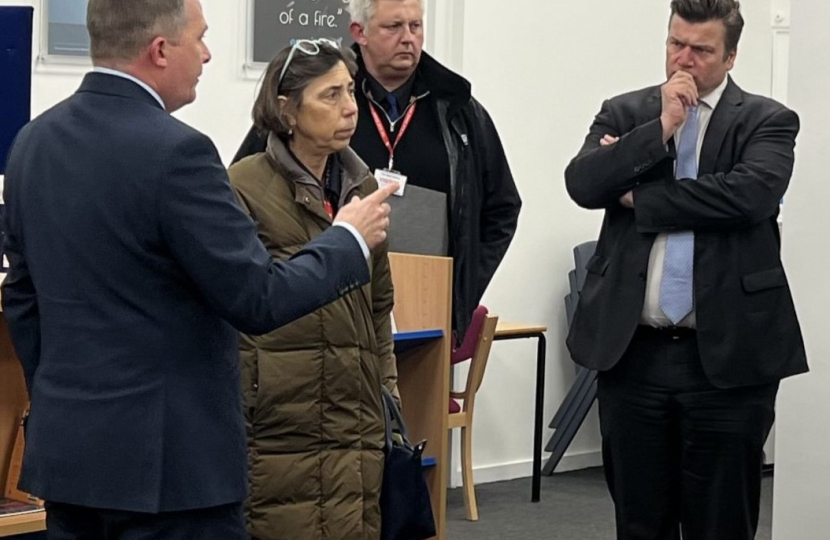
x: 583, y: 392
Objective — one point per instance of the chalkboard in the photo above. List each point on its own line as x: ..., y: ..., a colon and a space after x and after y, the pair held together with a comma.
x: 278, y: 23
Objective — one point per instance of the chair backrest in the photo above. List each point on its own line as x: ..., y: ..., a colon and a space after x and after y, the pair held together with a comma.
x: 576, y: 277
x: 467, y: 349
x: 582, y: 254
x: 572, y: 282
x: 478, y: 362
x: 570, y: 307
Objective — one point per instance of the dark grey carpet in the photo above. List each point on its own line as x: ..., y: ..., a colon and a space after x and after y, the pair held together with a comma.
x: 574, y: 506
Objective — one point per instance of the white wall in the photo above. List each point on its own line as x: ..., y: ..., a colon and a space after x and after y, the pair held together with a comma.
x: 542, y: 69
x: 802, y: 471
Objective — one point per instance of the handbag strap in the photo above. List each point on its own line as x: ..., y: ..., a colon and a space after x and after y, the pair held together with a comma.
x: 392, y: 413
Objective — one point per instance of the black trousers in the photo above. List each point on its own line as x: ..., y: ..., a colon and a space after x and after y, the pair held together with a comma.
x: 680, y: 454
x: 70, y: 522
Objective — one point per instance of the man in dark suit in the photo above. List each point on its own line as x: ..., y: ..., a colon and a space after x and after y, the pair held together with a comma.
x: 686, y: 311
x: 132, y: 268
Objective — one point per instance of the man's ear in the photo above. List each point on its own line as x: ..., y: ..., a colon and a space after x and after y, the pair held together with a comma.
x: 358, y: 33
x: 730, y: 60
x: 157, y: 51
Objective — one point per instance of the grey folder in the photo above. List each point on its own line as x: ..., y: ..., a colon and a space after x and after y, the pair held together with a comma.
x: 418, y: 223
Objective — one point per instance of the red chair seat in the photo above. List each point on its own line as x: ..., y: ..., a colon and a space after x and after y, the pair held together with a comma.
x: 455, y: 406
x: 467, y: 349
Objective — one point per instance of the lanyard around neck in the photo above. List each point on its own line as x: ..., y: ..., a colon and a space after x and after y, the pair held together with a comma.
x: 384, y: 136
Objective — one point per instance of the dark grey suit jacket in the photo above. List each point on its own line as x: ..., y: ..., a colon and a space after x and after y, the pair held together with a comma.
x: 748, y: 332
x: 132, y: 268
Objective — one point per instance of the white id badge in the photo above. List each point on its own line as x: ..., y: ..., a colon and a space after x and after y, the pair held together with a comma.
x: 385, y: 177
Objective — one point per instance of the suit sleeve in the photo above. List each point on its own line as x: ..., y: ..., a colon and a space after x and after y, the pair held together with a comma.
x: 745, y: 195
x: 216, y: 244
x: 20, y: 306
x: 500, y: 202
x: 599, y: 175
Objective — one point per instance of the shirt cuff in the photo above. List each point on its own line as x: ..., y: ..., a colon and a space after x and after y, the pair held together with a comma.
x: 357, y: 236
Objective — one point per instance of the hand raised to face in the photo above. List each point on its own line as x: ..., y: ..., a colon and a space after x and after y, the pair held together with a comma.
x: 679, y: 93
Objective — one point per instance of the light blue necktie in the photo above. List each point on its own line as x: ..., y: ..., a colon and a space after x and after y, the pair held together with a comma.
x: 676, y: 287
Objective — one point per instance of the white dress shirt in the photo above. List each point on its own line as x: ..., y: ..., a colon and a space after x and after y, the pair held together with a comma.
x: 652, y: 315
x: 139, y: 82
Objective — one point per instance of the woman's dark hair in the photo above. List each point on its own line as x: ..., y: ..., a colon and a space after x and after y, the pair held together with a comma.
x: 268, y: 110
x: 728, y: 11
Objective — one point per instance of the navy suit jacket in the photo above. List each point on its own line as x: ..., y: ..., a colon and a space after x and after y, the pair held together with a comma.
x: 747, y: 329
x: 132, y: 268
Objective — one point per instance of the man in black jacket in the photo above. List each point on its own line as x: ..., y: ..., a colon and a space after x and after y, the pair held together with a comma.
x: 686, y: 311
x: 441, y: 137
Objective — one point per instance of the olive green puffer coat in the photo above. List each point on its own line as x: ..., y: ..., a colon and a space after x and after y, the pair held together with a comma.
x: 312, y: 388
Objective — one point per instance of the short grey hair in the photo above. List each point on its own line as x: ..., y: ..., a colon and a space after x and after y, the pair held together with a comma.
x: 362, y: 11
x: 119, y: 29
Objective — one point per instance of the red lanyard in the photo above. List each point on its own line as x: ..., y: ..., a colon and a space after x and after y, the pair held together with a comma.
x: 385, y: 136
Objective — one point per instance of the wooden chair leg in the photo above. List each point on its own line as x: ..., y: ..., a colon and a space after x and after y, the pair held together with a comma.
x: 467, y: 473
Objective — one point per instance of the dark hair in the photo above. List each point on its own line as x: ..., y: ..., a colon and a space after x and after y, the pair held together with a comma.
x: 728, y: 11
x: 303, y: 69
x: 118, y: 30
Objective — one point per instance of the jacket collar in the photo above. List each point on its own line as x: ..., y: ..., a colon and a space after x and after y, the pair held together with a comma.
x: 354, y: 170
x: 430, y: 75
x: 722, y: 117
x: 112, y: 85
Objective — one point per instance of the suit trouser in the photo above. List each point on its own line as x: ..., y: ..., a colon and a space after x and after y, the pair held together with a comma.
x: 678, y: 452
x: 71, y: 522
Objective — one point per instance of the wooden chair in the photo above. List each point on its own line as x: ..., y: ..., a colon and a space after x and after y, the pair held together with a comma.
x: 480, y: 335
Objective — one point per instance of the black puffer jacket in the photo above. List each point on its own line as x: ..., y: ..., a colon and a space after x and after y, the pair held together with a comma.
x: 484, y: 201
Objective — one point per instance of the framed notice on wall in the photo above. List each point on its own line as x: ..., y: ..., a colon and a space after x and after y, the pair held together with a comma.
x: 64, y: 30
x: 275, y: 24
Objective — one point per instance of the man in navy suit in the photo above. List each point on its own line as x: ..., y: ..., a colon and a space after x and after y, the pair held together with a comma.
x: 685, y: 310
x: 132, y: 268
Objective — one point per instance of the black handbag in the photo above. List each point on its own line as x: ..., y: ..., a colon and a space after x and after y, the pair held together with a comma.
x: 405, y: 508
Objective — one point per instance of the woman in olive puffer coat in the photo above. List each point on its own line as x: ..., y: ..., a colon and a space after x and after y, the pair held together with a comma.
x: 312, y: 389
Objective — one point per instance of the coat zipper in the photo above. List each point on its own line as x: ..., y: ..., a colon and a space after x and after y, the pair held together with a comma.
x: 392, y: 124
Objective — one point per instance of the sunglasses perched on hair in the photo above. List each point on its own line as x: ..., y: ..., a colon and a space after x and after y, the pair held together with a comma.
x: 308, y: 46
